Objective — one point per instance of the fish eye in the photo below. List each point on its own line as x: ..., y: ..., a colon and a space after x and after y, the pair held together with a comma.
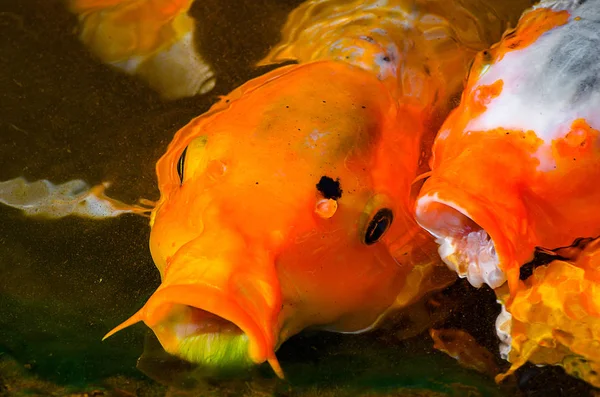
x: 469, y: 68
x: 181, y: 164
x: 380, y: 223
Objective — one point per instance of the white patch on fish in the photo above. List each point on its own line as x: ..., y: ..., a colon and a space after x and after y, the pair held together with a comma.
x: 550, y: 83
x: 315, y: 135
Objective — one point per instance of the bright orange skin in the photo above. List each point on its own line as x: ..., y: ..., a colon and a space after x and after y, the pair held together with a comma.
x: 556, y: 315
x: 530, y: 188
x: 255, y: 227
x: 494, y: 177
x: 248, y: 236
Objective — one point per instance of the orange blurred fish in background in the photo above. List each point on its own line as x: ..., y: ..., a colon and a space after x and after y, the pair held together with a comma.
x: 153, y: 39
x: 514, y: 169
x: 288, y: 205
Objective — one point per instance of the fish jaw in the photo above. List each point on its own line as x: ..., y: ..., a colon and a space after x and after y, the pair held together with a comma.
x: 213, y: 314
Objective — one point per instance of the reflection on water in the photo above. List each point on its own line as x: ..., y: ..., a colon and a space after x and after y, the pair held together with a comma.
x: 64, y: 116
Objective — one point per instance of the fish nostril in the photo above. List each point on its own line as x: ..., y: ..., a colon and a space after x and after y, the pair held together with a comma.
x: 326, y: 208
x: 216, y: 168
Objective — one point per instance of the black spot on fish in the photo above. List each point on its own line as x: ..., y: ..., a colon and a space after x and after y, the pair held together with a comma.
x: 515, y: 44
x: 368, y: 38
x: 540, y: 258
x: 510, y: 34
x: 486, y: 56
x: 543, y: 257
x: 329, y: 188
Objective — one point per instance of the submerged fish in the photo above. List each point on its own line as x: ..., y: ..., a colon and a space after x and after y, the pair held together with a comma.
x: 513, y: 170
x: 513, y: 164
x: 461, y: 346
x: 554, y: 318
x: 288, y: 205
x: 153, y: 39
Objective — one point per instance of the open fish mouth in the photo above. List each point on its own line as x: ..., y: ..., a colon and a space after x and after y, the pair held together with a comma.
x: 184, y: 320
x: 207, y: 339
x: 465, y: 246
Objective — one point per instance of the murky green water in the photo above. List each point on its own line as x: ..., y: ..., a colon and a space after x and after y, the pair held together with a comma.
x: 65, y: 283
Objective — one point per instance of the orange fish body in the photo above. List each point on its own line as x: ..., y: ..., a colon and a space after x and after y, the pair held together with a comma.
x: 513, y: 169
x: 288, y: 204
x: 554, y: 317
x: 513, y: 164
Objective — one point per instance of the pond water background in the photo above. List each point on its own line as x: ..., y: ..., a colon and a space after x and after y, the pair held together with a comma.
x: 65, y: 283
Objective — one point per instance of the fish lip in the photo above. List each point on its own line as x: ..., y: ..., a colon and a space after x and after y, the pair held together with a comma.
x: 210, y: 299
x: 485, y: 225
x: 159, y: 306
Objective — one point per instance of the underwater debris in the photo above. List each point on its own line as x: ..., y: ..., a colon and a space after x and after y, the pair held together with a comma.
x: 46, y: 200
x: 461, y: 346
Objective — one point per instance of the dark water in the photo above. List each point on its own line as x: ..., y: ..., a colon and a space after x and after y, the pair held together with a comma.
x: 65, y: 283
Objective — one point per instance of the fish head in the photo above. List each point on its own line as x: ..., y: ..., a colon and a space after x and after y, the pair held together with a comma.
x: 512, y: 163
x: 282, y: 209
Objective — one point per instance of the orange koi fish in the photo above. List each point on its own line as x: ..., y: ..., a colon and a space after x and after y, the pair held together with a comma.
x: 152, y: 39
x: 513, y: 165
x: 555, y: 317
x: 288, y: 205
x: 512, y: 171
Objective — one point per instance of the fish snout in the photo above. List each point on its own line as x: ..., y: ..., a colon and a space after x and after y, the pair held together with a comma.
x: 481, y: 223
x: 215, y: 311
